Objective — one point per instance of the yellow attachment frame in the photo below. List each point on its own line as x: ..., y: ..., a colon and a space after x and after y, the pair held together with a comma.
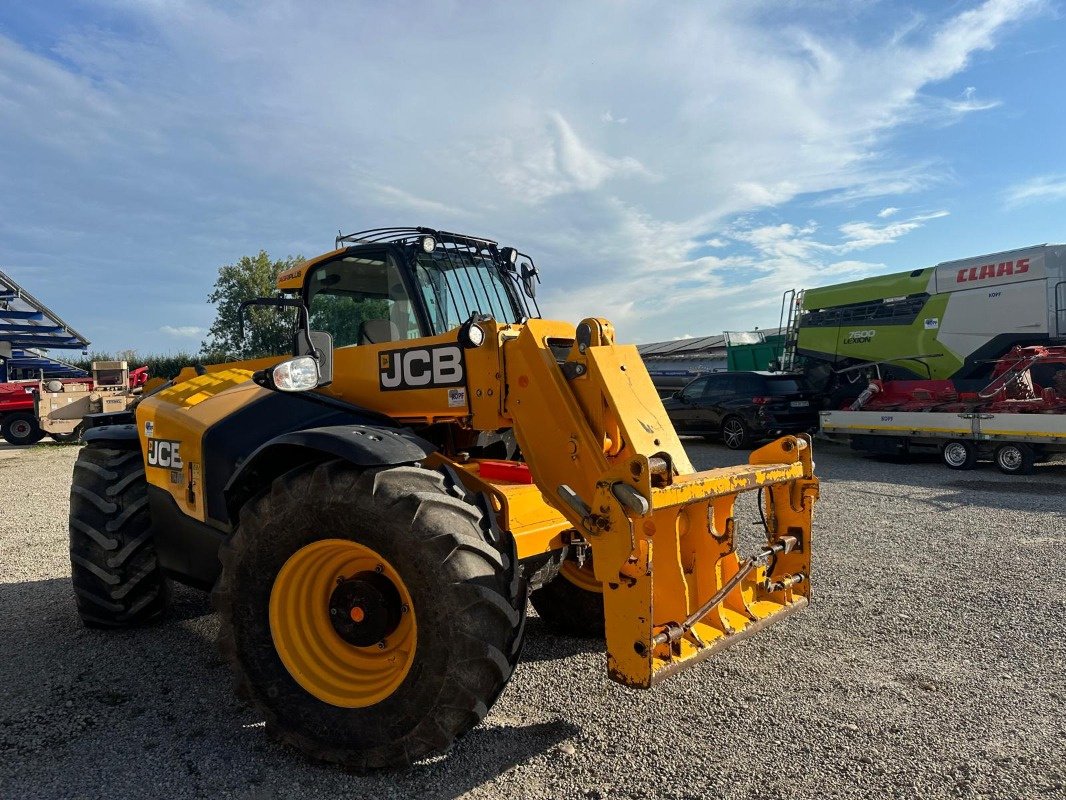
x: 603, y: 451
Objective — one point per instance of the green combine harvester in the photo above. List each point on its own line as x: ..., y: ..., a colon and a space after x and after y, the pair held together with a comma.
x: 951, y: 320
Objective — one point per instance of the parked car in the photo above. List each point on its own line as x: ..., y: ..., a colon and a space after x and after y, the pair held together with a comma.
x: 744, y: 407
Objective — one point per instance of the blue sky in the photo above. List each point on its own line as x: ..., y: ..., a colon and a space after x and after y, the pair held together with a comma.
x: 673, y: 168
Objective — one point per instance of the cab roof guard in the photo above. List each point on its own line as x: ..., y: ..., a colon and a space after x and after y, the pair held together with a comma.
x: 454, y: 245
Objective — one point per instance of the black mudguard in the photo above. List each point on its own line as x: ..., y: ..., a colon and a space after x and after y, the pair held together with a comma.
x: 362, y: 445
x: 188, y: 549
x: 120, y: 435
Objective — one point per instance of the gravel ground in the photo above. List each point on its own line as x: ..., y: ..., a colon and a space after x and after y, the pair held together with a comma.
x: 930, y: 665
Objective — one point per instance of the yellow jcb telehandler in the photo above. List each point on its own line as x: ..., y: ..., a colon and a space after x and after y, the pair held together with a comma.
x: 373, y: 512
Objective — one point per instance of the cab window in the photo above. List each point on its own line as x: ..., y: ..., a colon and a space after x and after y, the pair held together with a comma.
x: 454, y: 285
x: 361, y: 300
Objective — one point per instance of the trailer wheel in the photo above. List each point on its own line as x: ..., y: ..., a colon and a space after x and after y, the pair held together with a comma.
x: 1015, y: 458
x: 959, y: 454
x: 21, y: 429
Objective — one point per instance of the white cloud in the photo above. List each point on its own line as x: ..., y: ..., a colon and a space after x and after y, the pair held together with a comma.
x: 1045, y: 188
x: 887, y: 212
x: 970, y: 102
x: 182, y: 331
x: 537, y: 165
x: 226, y: 128
x: 862, y: 235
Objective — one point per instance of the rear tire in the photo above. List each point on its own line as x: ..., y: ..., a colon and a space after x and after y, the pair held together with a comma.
x: 21, y: 429
x: 959, y: 454
x: 1015, y: 458
x: 116, y: 577
x: 735, y: 433
x: 569, y: 604
x: 466, y: 598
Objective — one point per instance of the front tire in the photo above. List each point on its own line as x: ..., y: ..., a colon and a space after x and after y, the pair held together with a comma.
x: 336, y: 543
x: 1015, y: 458
x: 735, y: 433
x: 21, y: 429
x: 116, y: 577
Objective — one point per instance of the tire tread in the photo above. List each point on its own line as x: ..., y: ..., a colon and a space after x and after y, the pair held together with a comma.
x: 116, y: 576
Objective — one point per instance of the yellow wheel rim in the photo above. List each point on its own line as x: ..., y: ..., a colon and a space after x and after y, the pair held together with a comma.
x: 582, y: 577
x: 331, y: 657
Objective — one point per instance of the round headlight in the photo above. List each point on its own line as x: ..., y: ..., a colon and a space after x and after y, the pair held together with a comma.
x: 510, y: 255
x: 429, y: 244
x: 298, y: 374
x: 476, y: 335
x: 471, y: 334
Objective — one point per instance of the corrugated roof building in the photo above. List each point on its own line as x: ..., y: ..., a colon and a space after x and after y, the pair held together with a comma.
x: 673, y: 364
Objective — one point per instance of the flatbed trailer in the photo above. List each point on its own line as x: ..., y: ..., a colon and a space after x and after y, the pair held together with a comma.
x: 1014, y: 442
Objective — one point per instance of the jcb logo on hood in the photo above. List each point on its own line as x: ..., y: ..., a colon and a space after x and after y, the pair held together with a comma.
x: 421, y: 367
x: 164, y: 453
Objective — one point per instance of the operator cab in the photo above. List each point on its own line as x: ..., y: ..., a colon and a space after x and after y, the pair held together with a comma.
x: 406, y: 283
x: 390, y: 285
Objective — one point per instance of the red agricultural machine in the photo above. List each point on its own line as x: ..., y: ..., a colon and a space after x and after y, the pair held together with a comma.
x: 1014, y: 388
x: 1017, y: 419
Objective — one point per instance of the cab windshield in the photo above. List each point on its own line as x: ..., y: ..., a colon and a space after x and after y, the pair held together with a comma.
x: 361, y: 300
x: 456, y: 284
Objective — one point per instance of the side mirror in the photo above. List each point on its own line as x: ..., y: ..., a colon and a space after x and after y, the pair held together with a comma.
x: 274, y: 302
x: 530, y: 279
x: 318, y: 345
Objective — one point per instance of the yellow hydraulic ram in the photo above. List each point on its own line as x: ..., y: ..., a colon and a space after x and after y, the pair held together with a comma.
x: 662, y: 537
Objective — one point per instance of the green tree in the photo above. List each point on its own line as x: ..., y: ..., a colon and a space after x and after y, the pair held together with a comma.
x: 160, y: 365
x: 343, y: 317
x: 267, y: 331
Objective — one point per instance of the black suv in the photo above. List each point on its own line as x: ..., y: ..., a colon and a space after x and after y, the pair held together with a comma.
x: 744, y: 407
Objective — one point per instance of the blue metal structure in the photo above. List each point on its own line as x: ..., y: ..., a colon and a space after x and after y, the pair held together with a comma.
x: 31, y: 364
x: 26, y: 322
